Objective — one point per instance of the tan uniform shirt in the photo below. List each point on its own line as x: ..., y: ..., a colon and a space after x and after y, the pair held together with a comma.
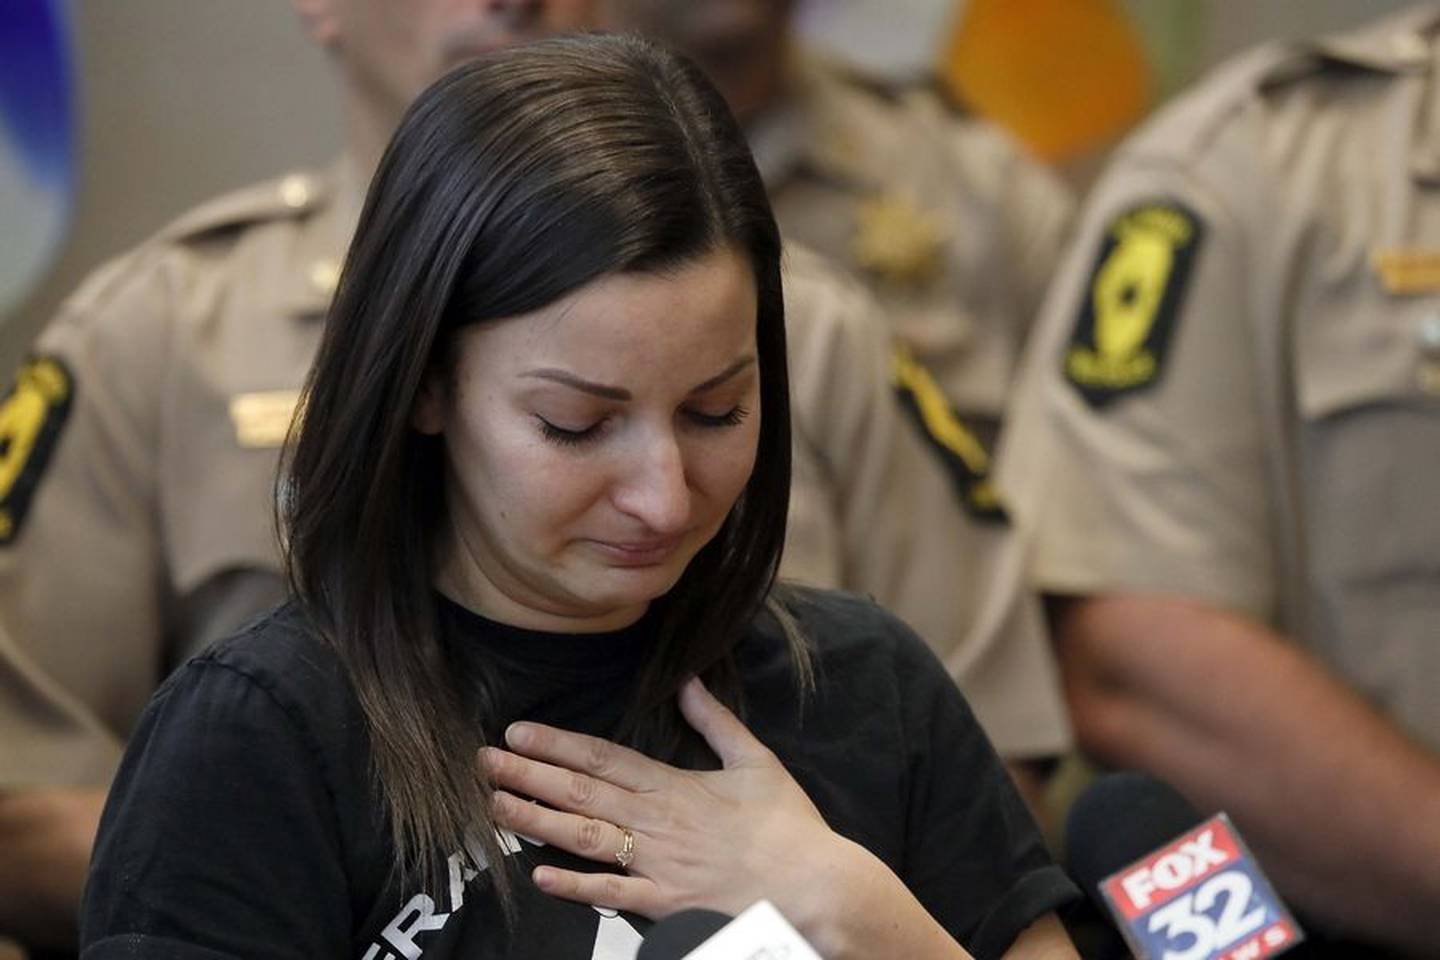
x: 949, y: 224
x: 1234, y: 388
x: 143, y: 528
x: 874, y: 510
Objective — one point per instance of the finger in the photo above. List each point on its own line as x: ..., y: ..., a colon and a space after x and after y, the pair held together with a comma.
x: 566, y: 790
x: 613, y: 890
x: 731, y: 740
x: 588, y: 837
x: 599, y: 758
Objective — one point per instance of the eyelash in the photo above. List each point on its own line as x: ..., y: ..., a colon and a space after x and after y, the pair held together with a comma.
x: 573, y: 438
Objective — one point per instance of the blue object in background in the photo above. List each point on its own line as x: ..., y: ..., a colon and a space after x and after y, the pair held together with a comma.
x: 37, y: 141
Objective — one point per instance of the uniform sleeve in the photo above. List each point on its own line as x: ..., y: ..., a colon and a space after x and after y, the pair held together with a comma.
x: 876, y: 512
x: 79, y: 558
x: 1134, y: 444
x: 973, y: 855
x: 220, y: 837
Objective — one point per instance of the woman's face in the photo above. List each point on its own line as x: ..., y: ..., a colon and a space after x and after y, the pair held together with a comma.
x: 595, y: 445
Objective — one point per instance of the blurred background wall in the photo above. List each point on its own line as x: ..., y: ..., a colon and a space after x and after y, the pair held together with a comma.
x: 180, y: 99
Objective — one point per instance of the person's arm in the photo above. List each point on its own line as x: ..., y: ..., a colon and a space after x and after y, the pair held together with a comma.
x: 46, y: 835
x: 1342, y: 807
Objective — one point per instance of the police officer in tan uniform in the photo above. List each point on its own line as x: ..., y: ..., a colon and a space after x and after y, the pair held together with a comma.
x: 1228, y: 433
x: 137, y: 477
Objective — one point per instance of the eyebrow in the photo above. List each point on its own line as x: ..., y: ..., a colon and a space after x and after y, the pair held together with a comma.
x: 568, y: 379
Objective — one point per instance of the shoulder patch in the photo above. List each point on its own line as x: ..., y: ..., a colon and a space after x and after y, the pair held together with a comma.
x: 1132, y: 300
x: 959, y: 449
x: 31, y: 417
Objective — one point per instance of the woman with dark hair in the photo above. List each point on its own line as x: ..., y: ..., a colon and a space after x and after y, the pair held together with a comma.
x: 537, y: 498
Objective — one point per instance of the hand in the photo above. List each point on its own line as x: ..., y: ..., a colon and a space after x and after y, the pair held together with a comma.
x: 715, y: 839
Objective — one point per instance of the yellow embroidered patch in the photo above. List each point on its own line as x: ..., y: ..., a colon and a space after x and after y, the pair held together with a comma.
x: 31, y: 416
x: 1127, y: 318
x: 961, y: 451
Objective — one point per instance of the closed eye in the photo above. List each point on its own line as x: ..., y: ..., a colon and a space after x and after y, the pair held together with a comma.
x: 567, y: 437
x: 732, y: 417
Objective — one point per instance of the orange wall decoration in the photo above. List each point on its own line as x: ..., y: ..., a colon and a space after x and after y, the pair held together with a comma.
x: 1064, y: 76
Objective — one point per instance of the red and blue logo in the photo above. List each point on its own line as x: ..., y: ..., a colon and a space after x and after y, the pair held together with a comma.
x: 1201, y: 897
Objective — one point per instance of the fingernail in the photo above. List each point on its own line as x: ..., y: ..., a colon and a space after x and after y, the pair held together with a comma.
x: 544, y: 878
x: 519, y: 734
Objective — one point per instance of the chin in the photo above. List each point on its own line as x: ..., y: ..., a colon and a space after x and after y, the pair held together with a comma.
x: 632, y: 586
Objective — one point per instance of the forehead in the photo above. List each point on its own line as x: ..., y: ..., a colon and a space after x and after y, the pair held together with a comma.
x: 633, y: 326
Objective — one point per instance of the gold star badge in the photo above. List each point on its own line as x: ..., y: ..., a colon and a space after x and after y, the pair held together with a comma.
x: 897, y: 242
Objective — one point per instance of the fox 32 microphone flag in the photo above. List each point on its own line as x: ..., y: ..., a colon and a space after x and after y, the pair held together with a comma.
x: 37, y: 141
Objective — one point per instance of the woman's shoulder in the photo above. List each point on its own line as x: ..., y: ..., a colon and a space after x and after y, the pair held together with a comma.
x: 852, y: 643
x: 280, y: 655
x: 839, y: 625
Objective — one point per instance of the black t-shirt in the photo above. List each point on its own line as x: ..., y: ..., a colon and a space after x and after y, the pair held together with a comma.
x: 245, y: 820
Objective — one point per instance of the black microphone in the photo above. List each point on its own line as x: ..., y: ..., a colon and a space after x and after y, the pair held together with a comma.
x: 1177, y: 883
x: 680, y: 933
x: 1117, y: 820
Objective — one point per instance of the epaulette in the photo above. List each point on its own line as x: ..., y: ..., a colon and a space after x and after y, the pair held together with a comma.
x: 1395, y: 44
x: 293, y: 195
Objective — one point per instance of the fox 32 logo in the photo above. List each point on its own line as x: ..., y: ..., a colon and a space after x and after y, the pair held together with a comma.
x: 1202, y: 897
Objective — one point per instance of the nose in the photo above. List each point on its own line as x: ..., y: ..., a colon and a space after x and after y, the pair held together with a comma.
x: 654, y: 488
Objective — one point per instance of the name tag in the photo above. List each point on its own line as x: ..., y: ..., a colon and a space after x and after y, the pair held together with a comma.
x: 1408, y: 272
x: 263, y: 419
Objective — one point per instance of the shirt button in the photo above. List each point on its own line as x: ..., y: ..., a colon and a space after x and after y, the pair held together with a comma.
x: 295, y: 191
x: 325, y: 276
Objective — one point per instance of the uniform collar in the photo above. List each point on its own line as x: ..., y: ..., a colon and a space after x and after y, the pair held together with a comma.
x: 1400, y: 43
x: 1404, y: 43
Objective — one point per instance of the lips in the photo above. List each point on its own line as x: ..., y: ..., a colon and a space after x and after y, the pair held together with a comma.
x: 639, y: 553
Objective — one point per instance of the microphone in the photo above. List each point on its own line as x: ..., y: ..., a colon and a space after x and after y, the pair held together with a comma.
x: 1180, y: 887
x: 758, y: 933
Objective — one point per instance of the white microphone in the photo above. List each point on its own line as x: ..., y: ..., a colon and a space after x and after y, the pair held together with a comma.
x: 759, y: 933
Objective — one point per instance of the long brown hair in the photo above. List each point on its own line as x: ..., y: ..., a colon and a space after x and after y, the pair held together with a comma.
x: 512, y: 181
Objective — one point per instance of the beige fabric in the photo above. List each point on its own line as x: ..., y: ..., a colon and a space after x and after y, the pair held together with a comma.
x: 1285, y: 463
x: 950, y: 225
x: 151, y: 532
x: 873, y: 511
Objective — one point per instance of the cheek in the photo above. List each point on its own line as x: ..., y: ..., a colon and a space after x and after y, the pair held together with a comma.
x: 726, y: 468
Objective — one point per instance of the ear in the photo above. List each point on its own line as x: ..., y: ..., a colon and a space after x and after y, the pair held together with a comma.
x: 428, y: 414
x: 321, y: 20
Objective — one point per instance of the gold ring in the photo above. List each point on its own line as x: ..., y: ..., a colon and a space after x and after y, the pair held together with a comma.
x: 626, y: 854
